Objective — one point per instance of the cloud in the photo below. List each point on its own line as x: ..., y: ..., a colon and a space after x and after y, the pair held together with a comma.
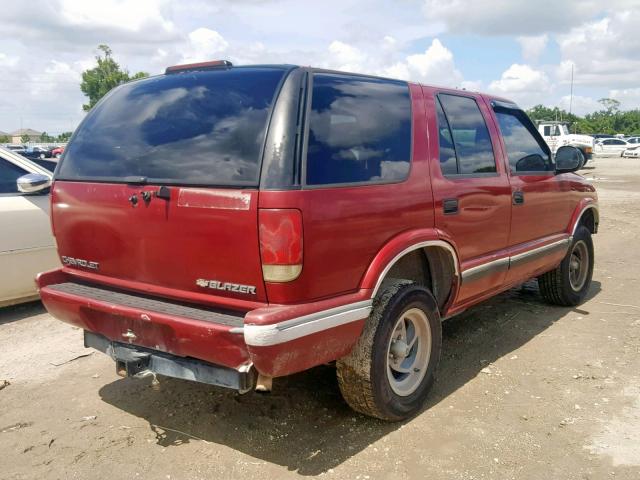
x: 605, y: 52
x: 8, y: 60
x: 511, y: 17
x: 629, y: 97
x: 580, y: 105
x: 523, y: 84
x: 532, y: 47
x: 204, y: 44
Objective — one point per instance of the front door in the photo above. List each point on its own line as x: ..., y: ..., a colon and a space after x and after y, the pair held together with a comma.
x: 541, y: 200
x: 472, y: 196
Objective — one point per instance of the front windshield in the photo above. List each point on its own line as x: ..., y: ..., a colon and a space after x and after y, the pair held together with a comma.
x: 565, y: 130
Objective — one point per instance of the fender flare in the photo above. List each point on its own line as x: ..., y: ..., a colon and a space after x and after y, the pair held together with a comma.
x: 399, y: 246
x: 580, y: 210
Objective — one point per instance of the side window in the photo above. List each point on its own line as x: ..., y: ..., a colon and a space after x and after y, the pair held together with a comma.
x: 359, y: 130
x: 448, y: 161
x: 525, y: 152
x: 547, y: 130
x: 471, y: 139
x: 9, y: 173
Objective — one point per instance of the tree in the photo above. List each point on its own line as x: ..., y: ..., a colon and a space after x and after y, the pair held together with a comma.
x: 4, y: 139
x: 45, y: 138
x: 25, y: 138
x: 64, y: 137
x: 97, y: 81
x: 610, y: 105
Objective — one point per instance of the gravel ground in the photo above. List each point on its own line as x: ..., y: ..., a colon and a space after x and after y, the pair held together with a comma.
x: 525, y: 391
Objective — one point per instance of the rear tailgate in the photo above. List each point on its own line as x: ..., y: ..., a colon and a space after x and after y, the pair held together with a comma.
x: 201, y: 240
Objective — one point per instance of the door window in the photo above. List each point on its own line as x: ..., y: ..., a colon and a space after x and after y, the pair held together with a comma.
x: 463, y: 135
x: 525, y: 151
x: 9, y: 174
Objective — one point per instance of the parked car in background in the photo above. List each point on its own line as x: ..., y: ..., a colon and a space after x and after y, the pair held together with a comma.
x: 610, y: 145
x: 35, y: 152
x: 633, y: 140
x: 602, y: 135
x: 331, y: 217
x: 631, y: 152
x: 57, y: 152
x: 26, y: 243
x: 16, y: 148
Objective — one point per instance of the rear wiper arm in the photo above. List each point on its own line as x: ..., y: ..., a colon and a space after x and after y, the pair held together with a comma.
x: 136, y: 180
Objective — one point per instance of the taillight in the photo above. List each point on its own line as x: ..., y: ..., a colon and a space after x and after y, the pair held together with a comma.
x: 280, y: 244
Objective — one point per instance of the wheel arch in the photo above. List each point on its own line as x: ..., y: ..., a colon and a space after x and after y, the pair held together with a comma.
x: 586, y: 214
x: 399, y: 259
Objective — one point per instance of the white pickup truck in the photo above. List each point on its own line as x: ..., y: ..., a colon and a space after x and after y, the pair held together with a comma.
x: 557, y: 135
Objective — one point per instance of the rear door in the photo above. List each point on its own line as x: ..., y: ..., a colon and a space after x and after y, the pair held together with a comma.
x: 159, y: 185
x: 471, y: 189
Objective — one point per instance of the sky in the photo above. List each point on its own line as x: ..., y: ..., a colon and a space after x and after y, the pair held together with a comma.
x: 524, y: 50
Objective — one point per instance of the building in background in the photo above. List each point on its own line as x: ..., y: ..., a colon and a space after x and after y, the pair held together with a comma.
x: 16, y: 136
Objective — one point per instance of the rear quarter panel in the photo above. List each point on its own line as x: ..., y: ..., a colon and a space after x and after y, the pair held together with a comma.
x: 346, y: 226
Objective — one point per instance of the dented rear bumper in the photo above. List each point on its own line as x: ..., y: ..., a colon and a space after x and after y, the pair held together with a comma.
x: 275, y: 339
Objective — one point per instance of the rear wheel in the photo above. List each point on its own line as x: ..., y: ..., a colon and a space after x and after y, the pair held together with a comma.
x: 568, y: 284
x: 391, y: 369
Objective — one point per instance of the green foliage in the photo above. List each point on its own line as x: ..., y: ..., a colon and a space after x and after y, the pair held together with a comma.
x: 4, y: 139
x: 45, y: 138
x: 25, y: 138
x: 64, y: 137
x: 609, y: 120
x: 97, y: 81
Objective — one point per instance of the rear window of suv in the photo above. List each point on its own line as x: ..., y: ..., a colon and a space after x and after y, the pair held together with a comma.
x: 199, y: 128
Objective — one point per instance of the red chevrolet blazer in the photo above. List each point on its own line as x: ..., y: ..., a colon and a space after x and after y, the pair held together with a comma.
x: 231, y: 224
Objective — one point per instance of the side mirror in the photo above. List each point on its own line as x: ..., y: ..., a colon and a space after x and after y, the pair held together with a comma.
x: 33, y: 183
x: 568, y: 159
x: 531, y: 163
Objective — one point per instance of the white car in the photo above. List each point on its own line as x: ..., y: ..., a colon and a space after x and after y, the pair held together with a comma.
x: 611, y: 145
x: 633, y: 140
x: 631, y: 152
x: 27, y: 246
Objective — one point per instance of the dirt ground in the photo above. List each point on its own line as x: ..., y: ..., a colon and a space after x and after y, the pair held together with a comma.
x: 525, y: 391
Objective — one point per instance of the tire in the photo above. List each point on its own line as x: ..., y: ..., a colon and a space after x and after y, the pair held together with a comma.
x: 367, y: 377
x: 565, y: 285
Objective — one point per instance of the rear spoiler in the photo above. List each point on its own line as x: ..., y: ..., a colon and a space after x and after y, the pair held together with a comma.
x: 198, y: 66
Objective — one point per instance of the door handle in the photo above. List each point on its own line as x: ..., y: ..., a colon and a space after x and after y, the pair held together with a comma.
x: 450, y: 206
x: 518, y: 197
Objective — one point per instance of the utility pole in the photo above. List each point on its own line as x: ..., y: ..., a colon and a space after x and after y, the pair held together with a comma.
x: 571, y: 94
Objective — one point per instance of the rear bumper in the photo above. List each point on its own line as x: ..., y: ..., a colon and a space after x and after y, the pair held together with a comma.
x: 276, y: 339
x: 137, y: 361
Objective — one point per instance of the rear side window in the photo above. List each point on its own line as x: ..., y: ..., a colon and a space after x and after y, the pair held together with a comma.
x: 525, y: 152
x: 359, y: 130
x: 204, y: 128
x: 469, y: 134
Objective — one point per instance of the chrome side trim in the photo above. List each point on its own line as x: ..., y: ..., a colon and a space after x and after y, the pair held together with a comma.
x: 277, y: 333
x: 505, y: 263
x: 485, y: 269
x: 540, y: 251
x: 597, y: 216
x: 429, y: 243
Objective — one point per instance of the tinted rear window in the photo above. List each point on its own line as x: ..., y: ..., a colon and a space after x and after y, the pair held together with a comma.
x: 204, y: 128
